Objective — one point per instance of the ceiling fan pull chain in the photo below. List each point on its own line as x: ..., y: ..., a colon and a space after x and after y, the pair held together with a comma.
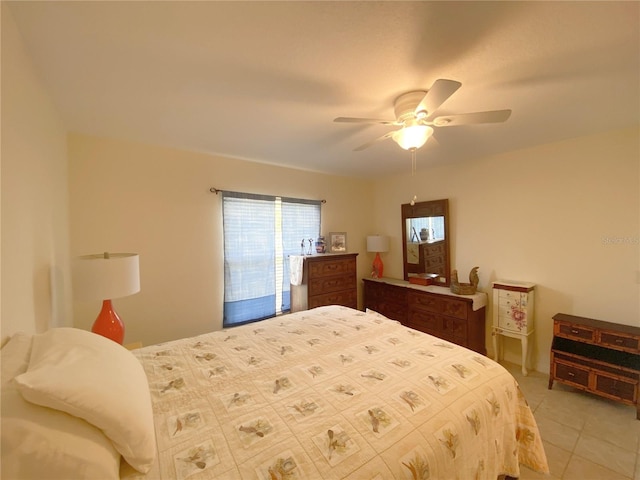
x: 413, y: 162
x: 413, y: 174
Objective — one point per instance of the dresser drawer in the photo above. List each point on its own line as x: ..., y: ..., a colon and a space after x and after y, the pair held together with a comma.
x: 388, y: 300
x: 439, y: 304
x: 348, y: 298
x: 511, y: 295
x: 394, y: 294
x: 572, y: 374
x: 322, y: 285
x: 439, y: 325
x: 374, y: 290
x: 575, y: 332
x: 616, y: 387
x: 455, y: 328
x: 619, y: 341
x: 437, y: 248
x: 434, y: 264
x: 455, y: 308
x: 326, y: 268
x: 512, y: 317
x: 424, y: 301
x: 394, y: 311
x: 424, y: 321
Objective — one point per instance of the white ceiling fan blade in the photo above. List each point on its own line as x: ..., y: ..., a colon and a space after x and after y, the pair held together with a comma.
x: 440, y: 91
x: 495, y: 116
x: 368, y: 144
x: 364, y: 120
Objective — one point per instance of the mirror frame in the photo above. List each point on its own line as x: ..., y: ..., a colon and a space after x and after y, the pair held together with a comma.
x: 433, y: 208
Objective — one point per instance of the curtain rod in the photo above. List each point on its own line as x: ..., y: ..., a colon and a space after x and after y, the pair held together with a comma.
x: 217, y: 190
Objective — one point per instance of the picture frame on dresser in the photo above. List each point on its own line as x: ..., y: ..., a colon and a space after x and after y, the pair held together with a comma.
x: 338, y: 242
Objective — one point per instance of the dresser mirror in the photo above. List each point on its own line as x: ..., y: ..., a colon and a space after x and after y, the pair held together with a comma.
x: 425, y: 241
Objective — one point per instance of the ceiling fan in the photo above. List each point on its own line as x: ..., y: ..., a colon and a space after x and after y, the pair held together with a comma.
x: 415, y: 114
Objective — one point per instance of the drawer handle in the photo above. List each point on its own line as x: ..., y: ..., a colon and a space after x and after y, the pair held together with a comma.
x: 619, y: 341
x: 574, y: 331
x: 571, y: 374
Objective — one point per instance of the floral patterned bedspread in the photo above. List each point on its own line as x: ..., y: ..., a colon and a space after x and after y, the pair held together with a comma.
x: 334, y: 393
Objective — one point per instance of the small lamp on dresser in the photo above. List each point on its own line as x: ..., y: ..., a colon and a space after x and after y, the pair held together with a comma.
x: 378, y: 244
x: 106, y: 276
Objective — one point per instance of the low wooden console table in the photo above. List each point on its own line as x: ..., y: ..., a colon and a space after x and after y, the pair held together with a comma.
x: 598, y: 357
x: 431, y: 309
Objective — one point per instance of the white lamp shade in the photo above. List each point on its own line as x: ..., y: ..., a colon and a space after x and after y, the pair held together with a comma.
x: 413, y: 136
x: 106, y: 276
x: 377, y: 243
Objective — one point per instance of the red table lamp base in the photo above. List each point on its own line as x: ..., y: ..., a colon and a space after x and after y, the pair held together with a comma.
x: 108, y: 323
x: 377, y: 267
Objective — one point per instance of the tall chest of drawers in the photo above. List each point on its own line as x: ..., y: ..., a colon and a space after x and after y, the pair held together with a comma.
x: 596, y: 356
x: 327, y: 279
x: 431, y: 309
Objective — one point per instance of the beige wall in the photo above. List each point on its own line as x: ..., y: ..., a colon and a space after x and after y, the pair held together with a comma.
x: 565, y: 216
x: 156, y: 202
x: 36, y: 290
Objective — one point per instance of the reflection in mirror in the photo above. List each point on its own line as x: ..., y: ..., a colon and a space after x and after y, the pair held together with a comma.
x: 420, y: 231
x: 426, y: 242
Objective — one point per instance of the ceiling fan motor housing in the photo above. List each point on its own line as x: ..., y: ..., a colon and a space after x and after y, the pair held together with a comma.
x: 406, y: 104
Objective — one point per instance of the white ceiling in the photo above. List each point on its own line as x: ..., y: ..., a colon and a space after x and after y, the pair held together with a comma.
x: 264, y: 80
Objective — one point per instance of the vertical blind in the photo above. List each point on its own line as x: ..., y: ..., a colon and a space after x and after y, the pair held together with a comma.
x: 260, y: 232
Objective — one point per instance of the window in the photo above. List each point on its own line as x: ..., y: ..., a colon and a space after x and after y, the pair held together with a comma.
x: 260, y: 232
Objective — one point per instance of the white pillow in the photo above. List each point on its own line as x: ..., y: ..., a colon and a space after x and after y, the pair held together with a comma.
x: 98, y: 380
x: 38, y: 442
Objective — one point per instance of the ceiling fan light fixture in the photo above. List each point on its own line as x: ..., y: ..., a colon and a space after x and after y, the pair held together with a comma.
x: 413, y: 136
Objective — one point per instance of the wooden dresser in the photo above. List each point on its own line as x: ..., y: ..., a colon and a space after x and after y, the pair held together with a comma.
x: 327, y: 279
x: 431, y: 309
x: 596, y: 356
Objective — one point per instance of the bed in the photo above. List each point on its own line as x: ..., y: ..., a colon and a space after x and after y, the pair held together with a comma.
x: 327, y: 393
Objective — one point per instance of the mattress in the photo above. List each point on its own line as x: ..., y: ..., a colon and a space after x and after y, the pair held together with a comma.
x: 334, y: 393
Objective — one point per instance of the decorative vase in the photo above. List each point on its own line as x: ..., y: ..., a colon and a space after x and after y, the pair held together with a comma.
x: 320, y: 245
x: 424, y: 235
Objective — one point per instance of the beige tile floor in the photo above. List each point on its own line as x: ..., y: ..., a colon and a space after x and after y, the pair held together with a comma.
x: 586, y: 437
